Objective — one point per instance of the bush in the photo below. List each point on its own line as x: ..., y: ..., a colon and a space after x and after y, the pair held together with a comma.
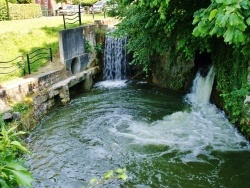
x: 88, y: 2
x: 12, y: 173
x: 3, y: 11
x: 24, y: 11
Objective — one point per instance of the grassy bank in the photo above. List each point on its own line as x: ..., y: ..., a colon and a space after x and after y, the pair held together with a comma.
x: 19, y: 37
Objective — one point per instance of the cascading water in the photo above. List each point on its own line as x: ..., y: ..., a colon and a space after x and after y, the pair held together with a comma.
x: 146, y: 129
x: 201, y: 89
x: 115, y: 61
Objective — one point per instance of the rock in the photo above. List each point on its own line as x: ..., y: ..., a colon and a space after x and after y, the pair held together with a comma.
x: 247, y: 100
x: 17, y: 115
x: 7, y: 116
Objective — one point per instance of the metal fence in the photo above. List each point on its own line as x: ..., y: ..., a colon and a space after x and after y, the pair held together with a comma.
x: 8, y: 67
x: 41, y: 53
x: 72, y: 18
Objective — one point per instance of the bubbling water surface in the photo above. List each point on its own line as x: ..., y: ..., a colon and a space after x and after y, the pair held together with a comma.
x: 159, y: 138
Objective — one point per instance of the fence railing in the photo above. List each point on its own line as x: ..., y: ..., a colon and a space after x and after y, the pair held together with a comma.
x: 73, y: 18
x: 41, y: 53
x: 8, y: 67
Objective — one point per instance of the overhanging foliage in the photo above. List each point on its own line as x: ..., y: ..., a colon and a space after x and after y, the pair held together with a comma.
x: 182, y: 28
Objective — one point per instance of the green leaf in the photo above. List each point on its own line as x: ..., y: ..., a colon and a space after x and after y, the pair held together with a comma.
x: 212, y: 14
x: 120, y: 170
x: 239, y: 37
x: 248, y: 21
x: 15, y: 166
x: 228, y: 36
x: 21, y: 174
x: 219, y: 1
x: 11, y: 130
x: 229, y: 2
x: 108, y: 174
x: 123, y: 176
x: 233, y: 20
x: 222, y: 20
x: 19, y: 146
x: 3, y: 183
x: 93, y: 181
x: 18, y: 133
x: 196, y: 31
x: 244, y: 4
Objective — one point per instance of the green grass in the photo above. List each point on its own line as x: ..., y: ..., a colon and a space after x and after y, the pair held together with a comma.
x: 19, y: 37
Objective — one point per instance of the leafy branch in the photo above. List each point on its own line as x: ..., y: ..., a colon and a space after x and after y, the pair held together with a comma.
x: 12, y: 173
x: 119, y: 173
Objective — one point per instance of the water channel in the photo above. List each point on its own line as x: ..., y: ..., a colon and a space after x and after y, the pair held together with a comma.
x: 163, y: 138
x: 154, y: 133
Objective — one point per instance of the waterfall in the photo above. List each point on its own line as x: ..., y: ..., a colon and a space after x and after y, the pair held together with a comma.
x: 115, y: 62
x: 201, y: 89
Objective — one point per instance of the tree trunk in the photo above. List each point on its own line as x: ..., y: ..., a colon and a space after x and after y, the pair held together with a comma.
x: 8, y: 9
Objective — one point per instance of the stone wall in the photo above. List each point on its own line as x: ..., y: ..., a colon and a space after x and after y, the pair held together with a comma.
x: 173, y: 75
x: 45, y: 100
x: 18, y: 90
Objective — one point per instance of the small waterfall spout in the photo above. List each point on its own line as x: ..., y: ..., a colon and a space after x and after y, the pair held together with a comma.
x: 201, y: 89
x: 115, y: 62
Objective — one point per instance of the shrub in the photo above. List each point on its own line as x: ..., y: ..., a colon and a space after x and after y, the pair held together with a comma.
x: 25, y: 11
x: 3, y: 11
x: 12, y: 173
x: 88, y: 2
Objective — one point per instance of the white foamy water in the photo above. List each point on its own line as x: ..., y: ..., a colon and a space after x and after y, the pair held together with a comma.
x: 201, y: 90
x: 198, y: 132
x: 111, y: 84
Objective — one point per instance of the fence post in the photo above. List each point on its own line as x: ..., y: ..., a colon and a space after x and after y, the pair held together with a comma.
x: 28, y: 60
x: 50, y: 51
x: 79, y: 13
x: 93, y: 13
x: 64, y: 22
x: 24, y: 72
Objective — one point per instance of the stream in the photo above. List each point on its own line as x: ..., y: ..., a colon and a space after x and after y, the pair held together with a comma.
x: 162, y: 138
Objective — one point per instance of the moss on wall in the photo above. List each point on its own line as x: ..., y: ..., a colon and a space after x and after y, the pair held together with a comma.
x: 176, y: 75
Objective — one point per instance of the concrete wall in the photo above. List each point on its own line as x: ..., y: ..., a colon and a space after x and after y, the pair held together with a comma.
x: 44, y: 101
x: 72, y: 50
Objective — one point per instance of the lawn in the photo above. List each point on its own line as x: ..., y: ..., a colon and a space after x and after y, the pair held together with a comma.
x: 19, y: 37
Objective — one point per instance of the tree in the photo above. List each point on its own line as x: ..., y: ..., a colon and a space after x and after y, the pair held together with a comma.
x: 155, y: 27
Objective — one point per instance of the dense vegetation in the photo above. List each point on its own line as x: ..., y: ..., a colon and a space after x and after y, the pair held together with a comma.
x: 12, y: 172
x: 185, y: 28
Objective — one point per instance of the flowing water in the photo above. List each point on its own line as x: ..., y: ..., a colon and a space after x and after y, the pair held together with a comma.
x: 161, y: 139
x: 164, y: 139
x: 115, y: 61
